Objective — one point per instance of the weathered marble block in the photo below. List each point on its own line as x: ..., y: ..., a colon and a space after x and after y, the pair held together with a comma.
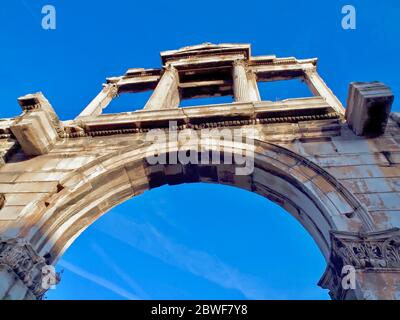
x: 368, y: 107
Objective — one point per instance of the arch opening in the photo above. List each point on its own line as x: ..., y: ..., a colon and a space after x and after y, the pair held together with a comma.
x: 292, y: 182
x: 194, y: 249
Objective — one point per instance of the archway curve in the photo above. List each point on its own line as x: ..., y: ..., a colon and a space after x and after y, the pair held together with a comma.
x: 193, y: 232
x: 309, y: 193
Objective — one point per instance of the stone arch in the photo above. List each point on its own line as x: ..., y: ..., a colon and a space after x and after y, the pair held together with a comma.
x: 302, y: 188
x: 338, y: 177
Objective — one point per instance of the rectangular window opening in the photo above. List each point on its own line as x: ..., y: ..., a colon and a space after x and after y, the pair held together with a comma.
x: 128, y: 102
x: 196, y: 102
x: 284, y: 89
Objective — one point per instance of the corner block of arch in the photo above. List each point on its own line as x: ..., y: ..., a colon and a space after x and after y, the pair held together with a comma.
x: 21, y: 270
x: 368, y: 107
x: 38, y: 128
x: 374, y: 259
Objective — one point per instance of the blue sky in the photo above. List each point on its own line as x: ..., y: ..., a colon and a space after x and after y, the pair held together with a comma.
x: 169, y: 243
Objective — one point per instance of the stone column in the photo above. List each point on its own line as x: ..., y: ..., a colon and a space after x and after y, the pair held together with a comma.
x: 244, y: 83
x: 102, y: 100
x: 253, y: 86
x: 364, y: 266
x: 319, y: 88
x: 24, y: 274
x: 240, y: 83
x: 166, y: 94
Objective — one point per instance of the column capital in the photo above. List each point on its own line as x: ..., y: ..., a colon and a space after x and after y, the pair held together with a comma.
x: 310, y: 69
x: 102, y: 100
x: 244, y: 85
x: 372, y: 252
x: 18, y: 256
x: 110, y: 90
x: 171, y: 70
x: 240, y: 62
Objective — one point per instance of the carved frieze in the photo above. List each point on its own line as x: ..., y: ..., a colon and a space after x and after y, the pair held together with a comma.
x: 366, y: 252
x: 19, y: 256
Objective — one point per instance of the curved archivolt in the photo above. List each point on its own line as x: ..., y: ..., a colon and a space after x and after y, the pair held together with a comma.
x: 311, y: 195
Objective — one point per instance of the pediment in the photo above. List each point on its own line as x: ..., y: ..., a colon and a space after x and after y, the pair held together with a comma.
x: 205, y: 49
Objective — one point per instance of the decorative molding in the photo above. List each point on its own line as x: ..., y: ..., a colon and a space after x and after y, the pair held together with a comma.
x: 5, y: 135
x: 19, y: 256
x: 36, y: 102
x: 81, y: 132
x: 31, y: 102
x: 31, y: 107
x: 240, y: 62
x: 366, y: 252
x: 111, y: 90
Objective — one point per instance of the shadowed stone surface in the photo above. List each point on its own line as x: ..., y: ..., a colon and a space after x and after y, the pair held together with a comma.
x: 368, y: 107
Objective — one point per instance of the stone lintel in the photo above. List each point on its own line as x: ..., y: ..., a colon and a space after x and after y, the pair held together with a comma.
x: 137, y: 84
x: 236, y: 114
x: 206, y: 62
x: 136, y: 80
x: 267, y: 68
x: 275, y: 72
x: 368, y: 107
x: 141, y: 72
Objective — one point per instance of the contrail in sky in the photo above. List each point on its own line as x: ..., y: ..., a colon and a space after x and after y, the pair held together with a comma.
x: 98, y: 280
x: 117, y: 270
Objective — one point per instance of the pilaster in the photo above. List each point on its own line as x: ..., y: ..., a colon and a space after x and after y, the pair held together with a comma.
x: 372, y: 259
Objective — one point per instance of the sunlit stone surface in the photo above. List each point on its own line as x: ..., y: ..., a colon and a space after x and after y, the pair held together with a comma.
x: 339, y: 176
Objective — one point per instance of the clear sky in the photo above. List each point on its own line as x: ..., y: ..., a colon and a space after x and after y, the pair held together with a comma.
x: 189, y: 241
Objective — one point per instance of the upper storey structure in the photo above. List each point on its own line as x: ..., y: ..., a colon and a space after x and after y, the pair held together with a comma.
x: 208, y: 70
x: 204, y: 70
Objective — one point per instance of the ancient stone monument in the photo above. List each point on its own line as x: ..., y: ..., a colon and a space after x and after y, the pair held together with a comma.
x: 336, y: 170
